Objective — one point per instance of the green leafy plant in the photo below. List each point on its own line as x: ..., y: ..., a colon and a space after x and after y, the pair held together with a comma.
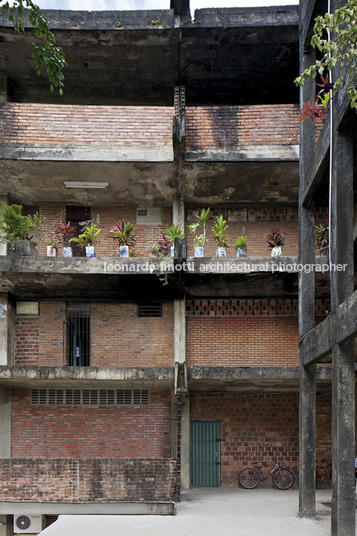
x: 14, y: 226
x: 241, y: 241
x: 124, y: 233
x: 173, y: 232
x: 200, y: 240
x: 219, y: 230
x: 322, y: 235
x: 275, y: 237
x: 64, y: 232
x: 89, y: 234
x: 45, y: 51
x: 339, y: 51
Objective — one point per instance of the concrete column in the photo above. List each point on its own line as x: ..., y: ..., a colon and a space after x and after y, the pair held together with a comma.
x: 178, y: 211
x: 5, y: 422
x: 180, y: 357
x: 4, y: 199
x: 3, y: 88
x: 343, y: 372
x: 6, y: 330
x: 307, y: 407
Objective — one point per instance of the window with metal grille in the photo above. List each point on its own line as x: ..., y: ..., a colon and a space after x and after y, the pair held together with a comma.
x: 150, y: 310
x: 90, y: 397
x: 77, y: 334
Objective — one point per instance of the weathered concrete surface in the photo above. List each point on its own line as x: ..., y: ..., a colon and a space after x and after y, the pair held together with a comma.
x: 151, y: 183
x: 208, y: 512
x: 245, y: 153
x: 78, y: 153
x: 110, y: 508
x: 129, y: 42
x: 33, y: 377
x: 5, y: 422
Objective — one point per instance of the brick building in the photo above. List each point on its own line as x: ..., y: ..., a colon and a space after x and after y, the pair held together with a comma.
x: 173, y: 385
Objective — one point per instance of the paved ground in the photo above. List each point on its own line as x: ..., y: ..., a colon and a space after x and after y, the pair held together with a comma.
x: 210, y: 512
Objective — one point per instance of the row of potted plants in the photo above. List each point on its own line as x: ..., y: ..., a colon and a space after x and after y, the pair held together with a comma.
x: 15, y: 227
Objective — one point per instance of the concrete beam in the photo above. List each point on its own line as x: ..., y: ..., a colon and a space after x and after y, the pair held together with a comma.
x: 112, y: 508
x: 236, y: 17
x: 5, y: 422
x: 264, y: 374
x: 245, y: 153
x: 316, y: 166
x: 338, y: 327
x: 34, y: 377
x: 84, y: 153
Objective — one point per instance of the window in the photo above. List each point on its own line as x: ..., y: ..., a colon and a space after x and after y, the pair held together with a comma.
x: 77, y: 332
x: 90, y: 397
x: 150, y: 310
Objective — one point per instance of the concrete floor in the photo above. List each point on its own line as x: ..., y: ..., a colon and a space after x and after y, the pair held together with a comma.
x: 210, y: 512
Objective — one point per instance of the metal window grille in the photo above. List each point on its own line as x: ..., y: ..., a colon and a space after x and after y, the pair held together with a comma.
x: 150, y: 310
x: 77, y: 336
x: 90, y: 397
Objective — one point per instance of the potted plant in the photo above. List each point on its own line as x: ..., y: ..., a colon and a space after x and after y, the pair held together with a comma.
x: 89, y: 236
x: 200, y: 240
x: 276, y: 240
x: 322, y: 238
x: 125, y: 234
x: 15, y: 229
x: 51, y: 248
x: 63, y: 233
x: 219, y: 230
x: 241, y: 244
x: 172, y: 233
x: 162, y: 248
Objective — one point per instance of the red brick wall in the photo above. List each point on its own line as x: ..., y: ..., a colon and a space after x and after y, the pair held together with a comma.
x: 122, y: 339
x: 227, y: 126
x: 242, y: 342
x: 91, y: 432
x: 53, y: 124
x: 27, y: 342
x: 258, y: 427
x: 118, y: 337
x: 95, y: 480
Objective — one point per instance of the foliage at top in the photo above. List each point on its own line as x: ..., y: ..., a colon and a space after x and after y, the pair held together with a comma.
x: 45, y: 51
x: 340, y: 51
x: 14, y: 226
x: 173, y: 232
x: 322, y: 235
x: 64, y: 232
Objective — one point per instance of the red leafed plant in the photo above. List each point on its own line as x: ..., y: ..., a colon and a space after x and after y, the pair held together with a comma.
x: 317, y: 107
x: 275, y: 237
x: 124, y: 232
x: 64, y: 232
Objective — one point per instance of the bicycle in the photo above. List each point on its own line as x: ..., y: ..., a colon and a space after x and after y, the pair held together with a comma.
x: 323, y: 471
x: 282, y: 478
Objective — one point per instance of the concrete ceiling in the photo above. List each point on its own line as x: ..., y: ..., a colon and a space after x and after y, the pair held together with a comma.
x: 246, y: 55
x: 130, y: 183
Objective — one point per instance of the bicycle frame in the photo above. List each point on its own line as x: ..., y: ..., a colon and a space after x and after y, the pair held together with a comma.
x: 262, y: 476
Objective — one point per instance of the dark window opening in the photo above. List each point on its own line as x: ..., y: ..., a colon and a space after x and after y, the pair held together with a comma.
x: 76, y: 215
x: 150, y: 310
x: 78, y: 337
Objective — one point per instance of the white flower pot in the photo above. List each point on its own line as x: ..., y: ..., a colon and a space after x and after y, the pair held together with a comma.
x: 124, y: 251
x: 51, y: 251
x: 199, y: 251
x: 221, y: 252
x: 172, y: 251
x: 90, y: 251
x: 67, y: 251
x: 242, y: 251
x: 276, y: 252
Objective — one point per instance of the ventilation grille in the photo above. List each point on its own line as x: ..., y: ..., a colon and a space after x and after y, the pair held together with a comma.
x: 90, y: 397
x: 150, y: 310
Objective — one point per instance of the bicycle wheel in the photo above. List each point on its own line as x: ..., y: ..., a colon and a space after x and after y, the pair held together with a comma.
x: 283, y: 479
x: 248, y: 478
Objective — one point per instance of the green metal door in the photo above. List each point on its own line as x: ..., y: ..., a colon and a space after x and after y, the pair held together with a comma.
x: 205, y: 447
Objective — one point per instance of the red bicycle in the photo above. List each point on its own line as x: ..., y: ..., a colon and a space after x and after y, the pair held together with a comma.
x: 323, y: 471
x: 282, y: 478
